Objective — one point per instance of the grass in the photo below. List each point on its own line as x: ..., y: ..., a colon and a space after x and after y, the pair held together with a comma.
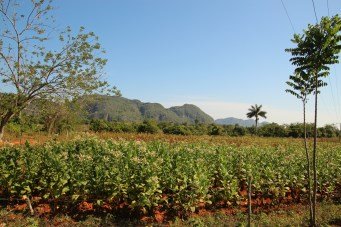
x: 328, y: 215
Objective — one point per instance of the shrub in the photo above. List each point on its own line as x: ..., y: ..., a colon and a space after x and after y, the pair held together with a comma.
x: 148, y: 126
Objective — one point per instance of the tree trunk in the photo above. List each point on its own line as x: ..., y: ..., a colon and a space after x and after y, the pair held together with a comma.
x: 315, y: 154
x: 256, y: 125
x: 2, y: 130
x: 50, y: 128
x: 308, y: 164
x: 3, y: 123
x: 51, y: 124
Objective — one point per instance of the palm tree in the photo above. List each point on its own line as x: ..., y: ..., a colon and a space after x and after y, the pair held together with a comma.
x: 255, y: 111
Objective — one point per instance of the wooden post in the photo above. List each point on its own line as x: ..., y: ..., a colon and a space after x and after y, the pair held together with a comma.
x: 28, y: 204
x: 249, y: 201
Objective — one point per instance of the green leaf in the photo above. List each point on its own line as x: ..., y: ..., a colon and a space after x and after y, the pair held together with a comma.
x: 75, y: 197
x: 46, y: 196
x: 66, y: 189
x: 27, y: 189
x: 99, y: 202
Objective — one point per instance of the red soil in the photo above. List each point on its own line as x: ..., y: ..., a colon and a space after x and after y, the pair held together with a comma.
x: 43, y: 209
x: 18, y: 142
x: 85, y: 206
x: 159, y: 215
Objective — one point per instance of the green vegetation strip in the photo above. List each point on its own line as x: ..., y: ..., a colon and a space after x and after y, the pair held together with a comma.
x: 146, y: 175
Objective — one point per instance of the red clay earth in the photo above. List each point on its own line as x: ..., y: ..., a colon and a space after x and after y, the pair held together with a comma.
x: 85, y: 206
x: 260, y: 203
x: 160, y: 214
x: 18, y: 142
x: 44, y: 211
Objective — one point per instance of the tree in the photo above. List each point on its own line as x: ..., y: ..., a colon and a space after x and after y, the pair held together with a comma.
x: 148, y: 126
x: 316, y: 49
x: 272, y: 130
x: 255, y: 111
x: 302, y: 85
x: 31, y: 65
x: 56, y: 116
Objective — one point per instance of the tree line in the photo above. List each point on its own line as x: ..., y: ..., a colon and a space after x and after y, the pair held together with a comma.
x: 63, y: 122
x: 294, y: 130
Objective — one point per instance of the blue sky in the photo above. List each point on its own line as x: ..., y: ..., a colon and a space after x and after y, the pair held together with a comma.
x: 220, y: 55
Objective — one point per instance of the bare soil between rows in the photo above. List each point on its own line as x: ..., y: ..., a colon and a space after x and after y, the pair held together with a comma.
x: 161, y: 215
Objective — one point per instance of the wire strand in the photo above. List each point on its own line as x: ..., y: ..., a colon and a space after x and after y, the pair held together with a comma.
x: 327, y: 108
x: 337, y: 94
x: 333, y: 98
x: 328, y: 8
x: 286, y: 12
x: 315, y: 12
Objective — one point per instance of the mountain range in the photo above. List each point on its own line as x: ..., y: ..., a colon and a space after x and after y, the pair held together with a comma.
x: 113, y: 108
x: 241, y: 122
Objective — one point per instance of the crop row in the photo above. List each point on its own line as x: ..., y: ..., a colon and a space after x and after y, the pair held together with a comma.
x: 144, y: 175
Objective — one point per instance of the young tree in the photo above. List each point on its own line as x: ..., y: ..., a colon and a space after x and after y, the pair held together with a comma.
x: 302, y: 85
x: 256, y: 111
x: 33, y: 67
x: 55, y: 116
x: 316, y: 49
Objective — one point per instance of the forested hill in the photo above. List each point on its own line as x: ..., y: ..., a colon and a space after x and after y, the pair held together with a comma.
x: 113, y: 108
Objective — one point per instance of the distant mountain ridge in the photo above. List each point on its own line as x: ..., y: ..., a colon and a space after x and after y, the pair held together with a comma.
x: 241, y: 122
x: 113, y: 108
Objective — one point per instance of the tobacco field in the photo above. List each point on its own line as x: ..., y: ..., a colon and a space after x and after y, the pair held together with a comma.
x: 180, y: 176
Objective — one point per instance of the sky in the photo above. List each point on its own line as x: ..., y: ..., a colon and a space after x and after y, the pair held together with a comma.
x: 220, y: 55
